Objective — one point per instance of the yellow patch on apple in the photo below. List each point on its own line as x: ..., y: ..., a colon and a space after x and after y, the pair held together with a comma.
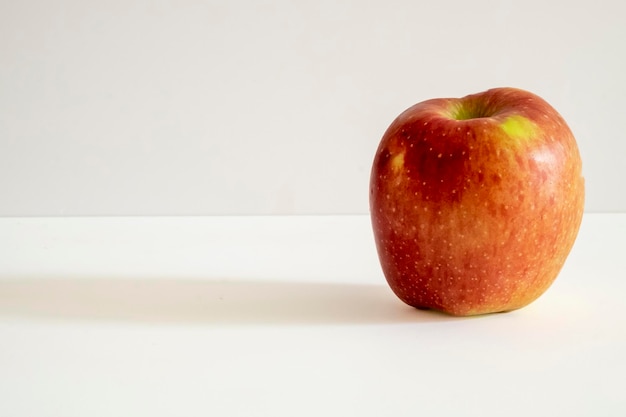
x: 518, y: 127
x: 397, y: 163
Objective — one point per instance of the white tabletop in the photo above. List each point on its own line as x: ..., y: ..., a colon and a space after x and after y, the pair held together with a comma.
x: 287, y: 316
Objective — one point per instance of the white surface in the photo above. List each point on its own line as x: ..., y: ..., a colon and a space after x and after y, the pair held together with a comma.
x: 131, y: 107
x: 287, y: 316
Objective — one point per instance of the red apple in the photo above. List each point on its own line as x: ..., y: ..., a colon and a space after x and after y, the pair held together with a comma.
x: 476, y: 201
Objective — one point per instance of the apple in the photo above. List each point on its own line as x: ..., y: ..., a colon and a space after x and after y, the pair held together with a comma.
x: 476, y: 202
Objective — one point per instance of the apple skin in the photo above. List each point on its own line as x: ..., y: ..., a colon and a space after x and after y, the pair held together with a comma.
x: 476, y: 202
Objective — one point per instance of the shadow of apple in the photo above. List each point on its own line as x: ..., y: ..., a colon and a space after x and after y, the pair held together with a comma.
x: 219, y: 302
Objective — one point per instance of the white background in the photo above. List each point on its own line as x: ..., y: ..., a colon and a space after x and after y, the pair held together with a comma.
x: 131, y: 107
